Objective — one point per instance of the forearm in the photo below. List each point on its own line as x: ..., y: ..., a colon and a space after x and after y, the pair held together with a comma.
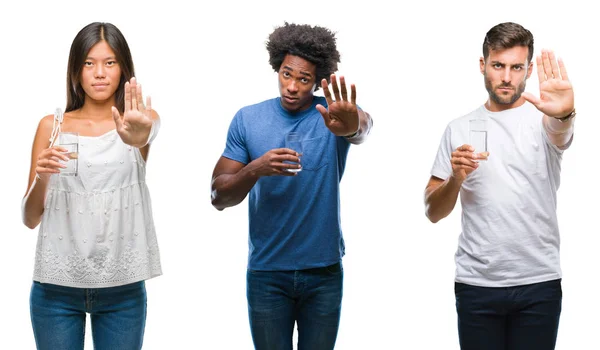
x: 33, y: 206
x: 365, y: 123
x: 228, y: 190
x: 440, y: 200
x: 558, y: 132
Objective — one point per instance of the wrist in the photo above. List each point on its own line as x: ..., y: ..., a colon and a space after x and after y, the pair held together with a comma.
x: 353, y: 135
x: 567, y: 117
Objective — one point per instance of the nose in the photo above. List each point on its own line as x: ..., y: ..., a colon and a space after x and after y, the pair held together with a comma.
x: 99, y: 71
x: 292, y: 87
x: 506, y: 78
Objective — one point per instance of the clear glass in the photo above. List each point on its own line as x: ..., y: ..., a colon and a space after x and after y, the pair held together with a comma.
x: 70, y: 141
x: 293, y: 141
x: 478, y: 135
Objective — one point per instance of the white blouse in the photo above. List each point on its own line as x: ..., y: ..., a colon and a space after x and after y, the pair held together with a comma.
x: 97, y: 228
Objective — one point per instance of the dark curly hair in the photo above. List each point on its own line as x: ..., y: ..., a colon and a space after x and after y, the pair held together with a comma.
x: 314, y: 44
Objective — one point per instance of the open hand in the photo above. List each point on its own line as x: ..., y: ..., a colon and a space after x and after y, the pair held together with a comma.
x: 341, y: 115
x: 556, y: 92
x: 136, y: 122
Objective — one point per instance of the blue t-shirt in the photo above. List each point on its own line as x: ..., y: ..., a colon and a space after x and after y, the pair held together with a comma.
x: 294, y: 220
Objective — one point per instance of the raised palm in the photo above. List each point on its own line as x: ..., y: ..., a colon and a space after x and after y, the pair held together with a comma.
x: 341, y: 115
x: 556, y: 92
x: 136, y: 122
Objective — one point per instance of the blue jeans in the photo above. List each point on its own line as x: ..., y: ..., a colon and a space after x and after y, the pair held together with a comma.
x: 512, y: 318
x: 118, y: 316
x: 278, y: 299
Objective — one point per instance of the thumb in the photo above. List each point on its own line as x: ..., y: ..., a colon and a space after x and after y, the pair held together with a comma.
x: 531, y: 98
x: 324, y: 113
x: 117, y: 117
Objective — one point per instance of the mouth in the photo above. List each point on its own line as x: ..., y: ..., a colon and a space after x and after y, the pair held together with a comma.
x: 505, y: 88
x: 100, y: 86
x: 289, y: 99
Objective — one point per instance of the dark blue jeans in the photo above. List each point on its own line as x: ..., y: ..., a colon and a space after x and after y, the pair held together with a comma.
x: 278, y: 299
x: 118, y: 316
x: 511, y: 318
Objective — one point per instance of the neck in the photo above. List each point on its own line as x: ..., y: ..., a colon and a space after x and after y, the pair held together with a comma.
x: 97, y: 110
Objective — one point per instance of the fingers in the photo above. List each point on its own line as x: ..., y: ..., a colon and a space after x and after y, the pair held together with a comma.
x: 284, y: 151
x: 353, y: 93
x: 563, y: 69
x: 540, y: 69
x: 547, y: 65
x: 554, y: 65
x: 334, y: 86
x: 127, y: 96
x: 463, y: 163
x: 149, y: 107
x: 326, y: 91
x: 134, y: 103
x: 139, y: 98
x: 343, y: 88
x: 465, y: 148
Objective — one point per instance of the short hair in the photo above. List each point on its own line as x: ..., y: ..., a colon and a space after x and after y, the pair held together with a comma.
x: 87, y: 37
x: 505, y: 36
x: 314, y: 44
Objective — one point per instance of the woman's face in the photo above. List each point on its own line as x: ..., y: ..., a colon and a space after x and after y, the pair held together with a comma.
x: 101, y: 73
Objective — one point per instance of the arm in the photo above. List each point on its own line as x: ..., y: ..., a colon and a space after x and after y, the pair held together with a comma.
x: 441, y: 195
x: 232, y: 180
x: 44, y: 162
x: 365, y: 123
x: 559, y: 133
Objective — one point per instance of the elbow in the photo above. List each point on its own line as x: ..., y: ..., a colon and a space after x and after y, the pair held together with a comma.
x: 431, y: 214
x: 31, y: 224
x: 217, y: 200
x: 433, y: 219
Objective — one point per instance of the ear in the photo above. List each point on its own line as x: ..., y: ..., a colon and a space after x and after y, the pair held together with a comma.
x: 482, y: 65
x: 529, y: 69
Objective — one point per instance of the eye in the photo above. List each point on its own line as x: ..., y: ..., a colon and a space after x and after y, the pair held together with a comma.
x: 111, y: 63
x: 497, y: 65
x: 286, y: 74
x: 88, y: 64
x: 518, y: 68
x: 304, y: 80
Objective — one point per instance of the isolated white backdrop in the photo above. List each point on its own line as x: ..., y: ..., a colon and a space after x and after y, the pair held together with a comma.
x: 415, y: 67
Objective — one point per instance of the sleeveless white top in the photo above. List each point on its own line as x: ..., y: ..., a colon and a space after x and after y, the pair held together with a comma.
x: 97, y: 228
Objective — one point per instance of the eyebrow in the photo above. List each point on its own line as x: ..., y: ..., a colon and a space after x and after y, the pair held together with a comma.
x: 95, y: 59
x: 301, y: 72
x: 513, y: 65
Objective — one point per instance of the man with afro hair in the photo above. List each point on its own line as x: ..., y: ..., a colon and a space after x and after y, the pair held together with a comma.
x: 295, y: 241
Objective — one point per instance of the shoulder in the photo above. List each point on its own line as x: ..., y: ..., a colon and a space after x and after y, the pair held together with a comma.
x: 45, y: 124
x: 261, y: 109
x: 477, y: 113
x: 260, y: 105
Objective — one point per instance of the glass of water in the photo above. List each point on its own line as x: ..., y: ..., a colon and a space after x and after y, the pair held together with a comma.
x: 69, y: 141
x: 478, y: 135
x: 293, y: 141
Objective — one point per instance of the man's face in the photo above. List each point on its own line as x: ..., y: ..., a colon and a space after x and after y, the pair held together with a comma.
x: 297, y: 79
x: 505, y: 72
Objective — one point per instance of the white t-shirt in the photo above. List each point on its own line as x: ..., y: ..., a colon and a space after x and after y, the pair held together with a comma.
x: 509, y: 227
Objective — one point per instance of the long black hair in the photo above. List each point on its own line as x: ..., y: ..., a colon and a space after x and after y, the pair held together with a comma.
x: 87, y: 37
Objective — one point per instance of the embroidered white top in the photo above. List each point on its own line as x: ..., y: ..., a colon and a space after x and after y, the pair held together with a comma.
x: 97, y: 228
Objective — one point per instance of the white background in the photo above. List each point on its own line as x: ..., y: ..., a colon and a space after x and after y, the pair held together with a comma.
x: 416, y: 68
